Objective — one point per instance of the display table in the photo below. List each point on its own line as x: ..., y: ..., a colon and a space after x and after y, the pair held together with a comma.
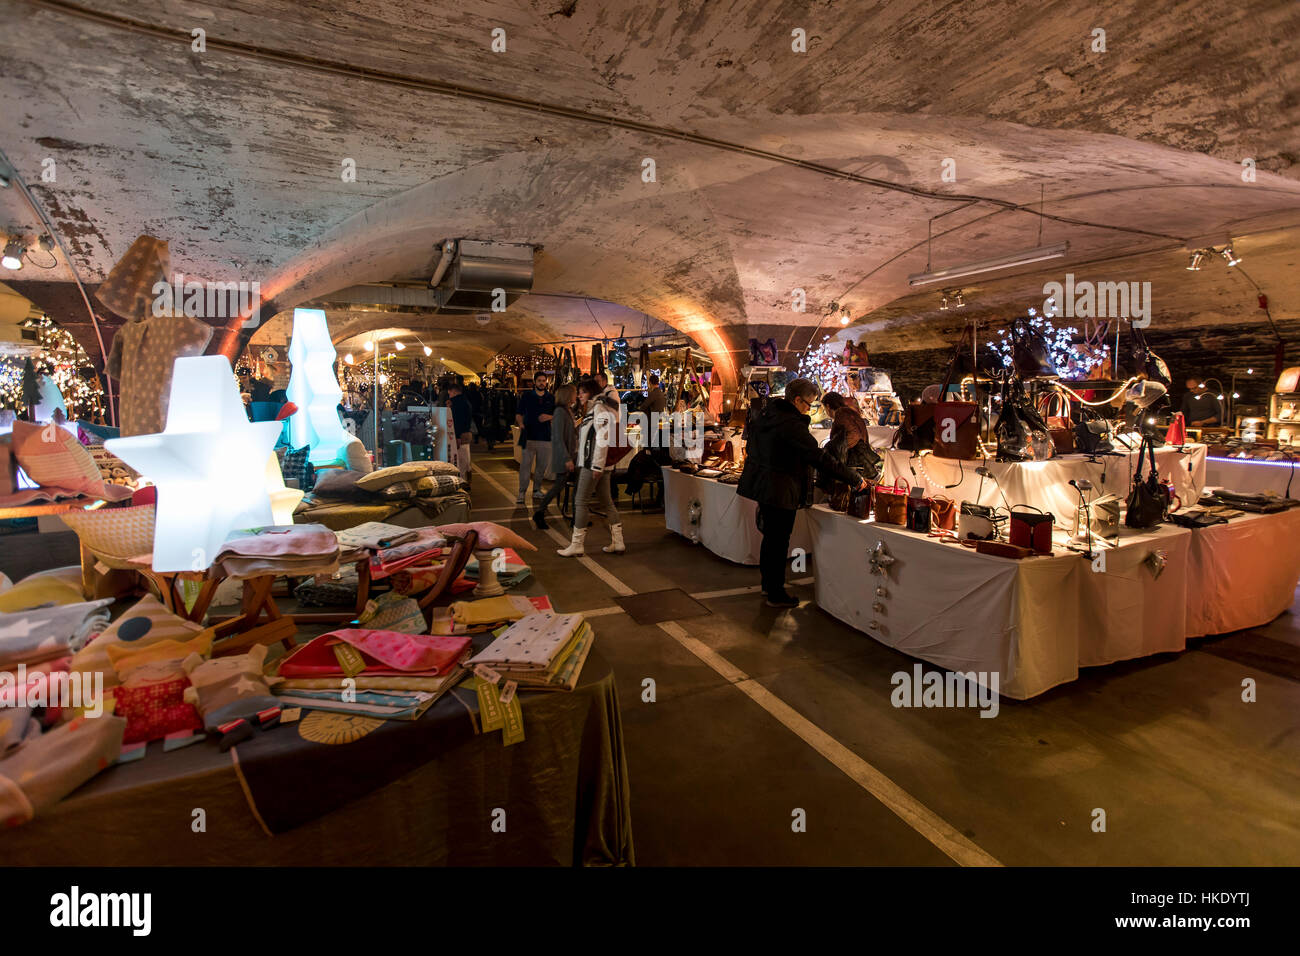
x: 1252, y: 477
x: 879, y: 436
x: 727, y: 526
x: 564, y: 790
x: 1044, y: 484
x: 1036, y: 621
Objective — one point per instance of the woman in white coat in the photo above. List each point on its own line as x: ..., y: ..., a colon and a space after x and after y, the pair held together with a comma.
x: 597, y: 431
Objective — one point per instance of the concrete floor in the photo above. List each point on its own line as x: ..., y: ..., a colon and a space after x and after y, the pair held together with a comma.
x: 1186, y: 772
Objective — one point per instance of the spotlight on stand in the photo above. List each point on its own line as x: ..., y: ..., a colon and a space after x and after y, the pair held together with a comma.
x: 943, y: 307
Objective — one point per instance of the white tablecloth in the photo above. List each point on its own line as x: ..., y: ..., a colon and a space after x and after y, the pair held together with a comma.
x: 1237, y: 474
x: 1044, y: 484
x: 1035, y: 622
x: 880, y: 436
x: 727, y: 525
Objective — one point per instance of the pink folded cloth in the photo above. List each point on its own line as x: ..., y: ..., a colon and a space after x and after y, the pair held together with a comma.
x: 385, y: 653
x: 299, y: 540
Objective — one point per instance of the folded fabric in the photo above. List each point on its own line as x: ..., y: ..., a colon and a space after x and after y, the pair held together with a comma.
x: 443, y: 621
x: 491, y: 610
x: 563, y: 673
x: 424, y: 548
x: 490, y: 535
x: 390, y: 705
x: 532, y: 643
x: 17, y: 724
x: 228, y: 688
x: 364, y: 682
x: 375, y: 535
x: 392, y: 611
x: 47, y: 768
x: 382, y: 652
x: 42, y: 633
x: 292, y: 541
x: 148, y: 622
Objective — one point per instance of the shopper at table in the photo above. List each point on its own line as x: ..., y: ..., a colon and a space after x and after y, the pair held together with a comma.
x: 564, y: 449
x: 782, y: 457
x: 849, y: 443
x: 655, y: 399
x: 533, y: 416
x: 1200, y: 408
x: 599, y: 430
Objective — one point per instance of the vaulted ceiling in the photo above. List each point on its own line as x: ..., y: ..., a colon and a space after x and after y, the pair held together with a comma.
x: 775, y: 170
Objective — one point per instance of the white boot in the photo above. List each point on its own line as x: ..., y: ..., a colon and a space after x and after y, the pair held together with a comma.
x: 616, y: 545
x: 574, y: 550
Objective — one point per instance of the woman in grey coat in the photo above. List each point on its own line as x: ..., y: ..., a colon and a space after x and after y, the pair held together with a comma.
x: 564, y: 447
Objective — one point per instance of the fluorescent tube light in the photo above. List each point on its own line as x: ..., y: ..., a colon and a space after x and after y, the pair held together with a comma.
x: 1038, y: 254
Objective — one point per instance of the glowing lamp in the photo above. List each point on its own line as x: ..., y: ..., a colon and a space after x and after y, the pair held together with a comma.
x: 284, y: 500
x: 314, y: 389
x: 209, y: 465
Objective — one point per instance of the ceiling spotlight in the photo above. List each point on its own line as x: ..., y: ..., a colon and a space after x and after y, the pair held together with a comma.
x: 399, y: 346
x: 13, y: 255
x: 370, y: 346
x: 961, y: 302
x: 1228, y: 254
x: 427, y: 351
x: 943, y: 306
x: 348, y: 359
x: 1250, y: 371
x: 1236, y: 395
x: 845, y: 318
x: 1194, y: 262
x: 1220, y: 396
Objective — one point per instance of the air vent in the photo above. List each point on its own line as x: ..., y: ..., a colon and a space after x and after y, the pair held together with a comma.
x: 482, y: 268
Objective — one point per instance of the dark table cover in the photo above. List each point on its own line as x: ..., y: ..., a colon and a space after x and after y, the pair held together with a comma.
x: 564, y: 791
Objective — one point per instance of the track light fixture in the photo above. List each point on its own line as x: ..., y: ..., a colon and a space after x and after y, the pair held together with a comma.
x: 13, y: 254
x: 1229, y: 255
x: 1195, y: 259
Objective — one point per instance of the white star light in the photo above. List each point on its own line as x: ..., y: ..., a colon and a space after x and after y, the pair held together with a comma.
x: 314, y: 388
x: 209, y: 464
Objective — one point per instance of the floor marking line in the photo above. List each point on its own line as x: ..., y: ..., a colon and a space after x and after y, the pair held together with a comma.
x: 937, y: 831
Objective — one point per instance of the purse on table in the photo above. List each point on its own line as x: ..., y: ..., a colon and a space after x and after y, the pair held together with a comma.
x: 1105, y: 516
x: 1031, y: 528
x: 977, y: 522
x: 1002, y: 549
x: 860, y: 503
x: 943, y: 513
x: 919, y: 512
x: 957, y: 422
x: 1148, y: 502
x: 1059, y: 426
x: 891, y: 503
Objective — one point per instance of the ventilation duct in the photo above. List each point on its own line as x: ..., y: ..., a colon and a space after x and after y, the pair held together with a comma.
x: 485, y: 276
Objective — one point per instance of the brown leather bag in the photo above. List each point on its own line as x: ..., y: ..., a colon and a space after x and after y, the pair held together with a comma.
x: 957, y: 423
x: 839, y: 497
x: 1059, y: 427
x: 943, y: 513
x: 860, y: 503
x: 891, y: 503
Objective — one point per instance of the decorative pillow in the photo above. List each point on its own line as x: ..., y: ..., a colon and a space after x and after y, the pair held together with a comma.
x: 356, y: 458
x: 397, y: 491
x: 53, y: 458
x: 49, y: 767
x: 228, y: 688
x: 337, y: 483
x: 59, y: 586
x: 296, y: 465
x: 381, y: 479
x: 440, y: 468
x: 154, y: 705
x: 435, y: 486
x: 146, y: 623
x: 490, y: 535
x: 128, y: 659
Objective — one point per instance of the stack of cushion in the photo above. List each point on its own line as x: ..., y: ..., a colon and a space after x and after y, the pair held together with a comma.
x: 416, y: 479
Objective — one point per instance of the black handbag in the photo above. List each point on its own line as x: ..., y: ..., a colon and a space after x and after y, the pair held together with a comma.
x: 1022, y: 433
x: 1093, y: 438
x: 1148, y: 502
x: 1030, y: 355
x: 1147, y: 362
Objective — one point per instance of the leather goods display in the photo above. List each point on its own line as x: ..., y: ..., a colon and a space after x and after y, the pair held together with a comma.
x: 919, y: 513
x: 1147, y: 362
x: 956, y: 422
x: 977, y: 522
x: 1196, y: 518
x: 943, y: 513
x: 1031, y: 528
x: 1148, y: 502
x: 1093, y: 438
x: 891, y: 504
x: 1022, y: 433
x: 1002, y: 549
x: 1254, y: 503
x: 1105, y: 516
x: 855, y: 354
x: 1059, y: 426
x: 860, y: 503
x: 916, y: 433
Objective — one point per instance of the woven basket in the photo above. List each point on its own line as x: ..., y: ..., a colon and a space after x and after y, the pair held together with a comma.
x: 115, y: 535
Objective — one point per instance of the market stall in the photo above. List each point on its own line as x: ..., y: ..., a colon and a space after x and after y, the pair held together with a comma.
x: 1251, y: 475
x: 1036, y: 621
x: 723, y: 522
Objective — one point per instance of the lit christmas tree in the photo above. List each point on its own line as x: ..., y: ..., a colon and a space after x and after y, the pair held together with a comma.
x: 1072, y: 362
x: 66, y: 362
x: 824, y: 366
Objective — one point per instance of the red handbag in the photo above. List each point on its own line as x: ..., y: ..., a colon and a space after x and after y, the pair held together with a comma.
x: 956, y: 423
x: 1177, y: 433
x: 1031, y: 529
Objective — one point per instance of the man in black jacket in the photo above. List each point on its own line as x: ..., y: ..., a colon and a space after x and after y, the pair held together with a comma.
x: 780, y: 459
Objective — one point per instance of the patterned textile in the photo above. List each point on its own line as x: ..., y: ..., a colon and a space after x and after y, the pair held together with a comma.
x: 47, y: 768
x: 53, y: 458
x: 532, y: 643
x: 115, y: 535
x: 297, y: 466
x: 229, y: 688
x: 148, y: 622
x: 392, y: 611
x: 128, y: 287
x: 154, y: 705
x: 148, y: 350
x: 432, y: 486
x: 43, y: 633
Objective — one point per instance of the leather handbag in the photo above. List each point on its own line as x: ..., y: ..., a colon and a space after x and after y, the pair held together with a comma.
x: 860, y: 503
x: 1146, y: 361
x: 1093, y: 438
x: 977, y: 522
x: 1105, y: 516
x: 919, y: 512
x: 1030, y: 355
x: 1177, y: 433
x: 719, y: 448
x: 957, y: 423
x: 1022, y: 433
x: 891, y: 504
x: 839, y: 497
x: 1031, y: 528
x: 943, y: 513
x: 1148, y: 501
x: 1059, y: 426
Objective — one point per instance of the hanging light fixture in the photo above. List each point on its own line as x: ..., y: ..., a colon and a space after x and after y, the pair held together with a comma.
x: 1229, y: 255
x: 1194, y: 263
x: 349, y: 359
x: 13, y: 255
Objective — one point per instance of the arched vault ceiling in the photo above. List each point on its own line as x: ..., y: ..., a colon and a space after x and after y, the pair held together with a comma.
x: 235, y: 158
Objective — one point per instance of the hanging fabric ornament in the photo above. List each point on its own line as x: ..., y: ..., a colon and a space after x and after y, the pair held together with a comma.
x: 693, y: 515
x: 881, y: 559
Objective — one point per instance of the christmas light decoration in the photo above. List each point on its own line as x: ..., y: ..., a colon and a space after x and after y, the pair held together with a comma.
x: 1071, y: 361
x: 67, y: 365
x: 824, y: 366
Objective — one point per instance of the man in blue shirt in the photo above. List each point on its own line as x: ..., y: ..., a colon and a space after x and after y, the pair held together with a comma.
x: 533, y: 416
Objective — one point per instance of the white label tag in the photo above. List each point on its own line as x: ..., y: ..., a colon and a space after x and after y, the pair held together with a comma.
x: 483, y: 672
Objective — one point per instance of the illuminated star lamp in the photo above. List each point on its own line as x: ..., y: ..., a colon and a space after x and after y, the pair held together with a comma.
x: 314, y: 388
x: 209, y: 465
x: 284, y: 500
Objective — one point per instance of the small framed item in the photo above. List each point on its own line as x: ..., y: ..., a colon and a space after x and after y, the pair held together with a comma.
x: 1032, y: 528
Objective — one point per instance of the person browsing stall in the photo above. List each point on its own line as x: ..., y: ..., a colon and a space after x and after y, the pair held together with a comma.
x: 782, y: 456
x: 598, y: 430
x: 533, y: 416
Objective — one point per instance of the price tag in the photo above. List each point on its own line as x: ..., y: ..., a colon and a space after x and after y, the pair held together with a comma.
x: 508, y: 691
x: 491, y: 714
x: 486, y: 673
x: 349, y: 659
x: 513, y: 731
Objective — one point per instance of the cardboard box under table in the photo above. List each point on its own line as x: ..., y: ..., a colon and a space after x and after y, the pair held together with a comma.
x: 1036, y: 621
